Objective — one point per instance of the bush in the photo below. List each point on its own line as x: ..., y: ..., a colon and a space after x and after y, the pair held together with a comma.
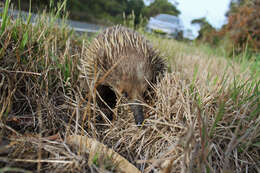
x: 243, y: 28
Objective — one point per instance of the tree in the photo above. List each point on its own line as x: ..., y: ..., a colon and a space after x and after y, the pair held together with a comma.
x: 135, y: 6
x: 160, y: 6
x: 234, y: 5
x: 243, y: 27
x: 207, y: 32
x: 95, y: 11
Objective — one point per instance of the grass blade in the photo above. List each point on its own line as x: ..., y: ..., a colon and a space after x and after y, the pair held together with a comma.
x: 218, y: 117
x: 5, y: 16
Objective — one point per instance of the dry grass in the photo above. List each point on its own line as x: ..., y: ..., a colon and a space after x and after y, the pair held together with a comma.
x: 205, y: 117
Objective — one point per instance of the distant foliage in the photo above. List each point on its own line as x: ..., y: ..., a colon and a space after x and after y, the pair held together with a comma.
x: 136, y: 7
x: 240, y: 34
x: 105, y: 12
x: 243, y: 27
x: 98, y: 11
x: 160, y: 6
x: 207, y: 32
x: 95, y: 11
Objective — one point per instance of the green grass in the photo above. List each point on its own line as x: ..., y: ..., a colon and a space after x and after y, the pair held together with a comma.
x: 4, y: 16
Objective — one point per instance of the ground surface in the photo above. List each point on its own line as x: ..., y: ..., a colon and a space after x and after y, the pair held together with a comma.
x: 205, y: 117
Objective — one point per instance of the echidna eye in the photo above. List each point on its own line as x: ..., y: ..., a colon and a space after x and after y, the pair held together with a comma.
x: 125, y: 94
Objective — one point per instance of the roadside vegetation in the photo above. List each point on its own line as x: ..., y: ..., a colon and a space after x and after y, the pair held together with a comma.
x: 102, y: 11
x: 205, y: 117
x: 241, y: 33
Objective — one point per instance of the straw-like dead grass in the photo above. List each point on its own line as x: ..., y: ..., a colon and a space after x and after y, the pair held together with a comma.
x: 205, y: 117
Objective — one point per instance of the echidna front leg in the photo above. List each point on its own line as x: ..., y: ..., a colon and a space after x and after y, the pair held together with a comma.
x: 137, y: 110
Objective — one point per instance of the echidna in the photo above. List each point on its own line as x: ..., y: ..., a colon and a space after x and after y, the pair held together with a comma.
x: 123, y: 60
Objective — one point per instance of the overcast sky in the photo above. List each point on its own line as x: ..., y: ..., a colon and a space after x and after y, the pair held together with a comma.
x: 213, y: 10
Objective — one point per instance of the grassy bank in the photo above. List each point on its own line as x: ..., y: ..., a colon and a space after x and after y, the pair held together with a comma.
x: 205, y: 117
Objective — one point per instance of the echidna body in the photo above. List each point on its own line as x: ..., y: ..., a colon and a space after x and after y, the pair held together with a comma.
x: 125, y: 61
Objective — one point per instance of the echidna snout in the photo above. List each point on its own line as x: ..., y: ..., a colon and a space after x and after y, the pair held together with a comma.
x: 134, y: 90
x: 137, y: 110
